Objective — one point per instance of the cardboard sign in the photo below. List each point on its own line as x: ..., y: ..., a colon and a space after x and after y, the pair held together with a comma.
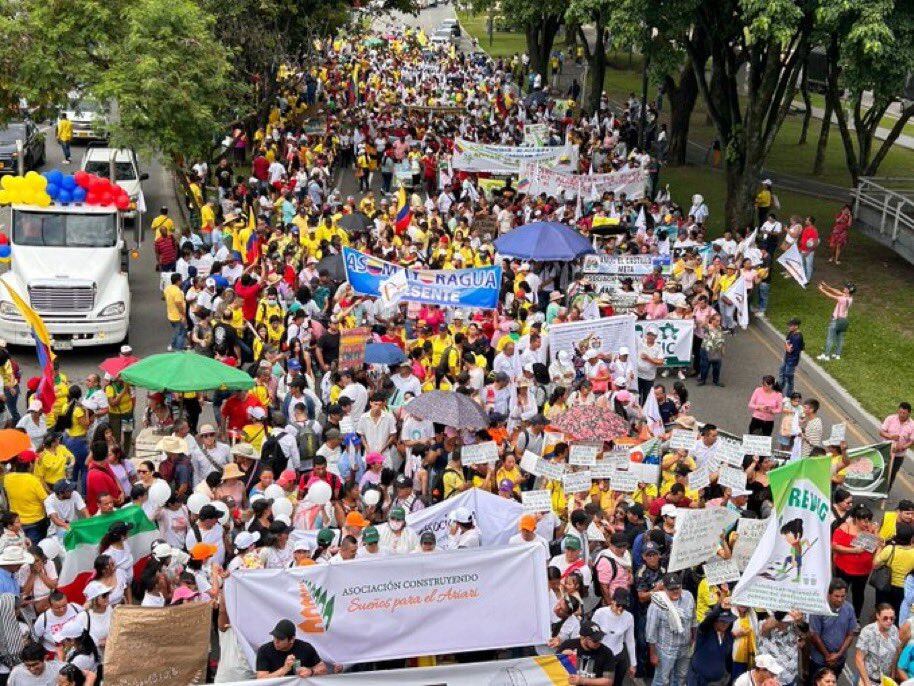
x: 576, y: 482
x: 866, y: 541
x: 623, y: 481
x: 602, y: 469
x: 582, y: 454
x: 352, y: 347
x: 646, y: 473
x: 529, y: 462
x: 536, y: 501
x: 732, y: 478
x: 551, y: 470
x: 699, y: 478
x: 748, y: 534
x: 697, y: 535
x: 730, y: 451
x: 719, y: 571
x: 838, y: 432
x: 756, y: 445
x: 683, y: 439
x: 478, y: 453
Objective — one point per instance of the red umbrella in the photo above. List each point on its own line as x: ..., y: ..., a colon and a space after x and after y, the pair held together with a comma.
x: 591, y: 423
x: 115, y: 365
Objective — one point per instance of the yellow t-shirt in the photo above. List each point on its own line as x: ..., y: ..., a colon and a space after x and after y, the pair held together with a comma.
x: 163, y: 223
x: 207, y: 219
x: 254, y: 434
x: 65, y: 130
x: 453, y: 480
x: 901, y: 565
x: 887, y: 530
x: 51, y: 465
x: 174, y: 303
x: 26, y: 496
x: 125, y: 406
x: 76, y: 428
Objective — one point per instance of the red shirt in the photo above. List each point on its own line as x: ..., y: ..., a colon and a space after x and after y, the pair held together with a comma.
x: 100, y: 479
x: 259, y: 167
x: 235, y: 411
x: 658, y: 503
x: 858, y: 565
x: 809, y: 238
x: 248, y: 295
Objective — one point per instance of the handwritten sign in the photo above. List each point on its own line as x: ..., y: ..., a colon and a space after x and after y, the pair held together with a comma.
x: 646, y: 473
x: 536, y: 501
x: 529, y: 462
x: 551, y: 470
x: 866, y: 541
x: 748, y: 534
x: 697, y: 535
x: 576, y: 482
x: 729, y: 451
x: 718, y: 571
x: 683, y: 439
x: 352, y: 347
x: 602, y: 469
x: 478, y: 453
x: 583, y: 455
x: 756, y: 445
x: 732, y: 478
x: 623, y: 481
x: 699, y: 478
x: 838, y: 432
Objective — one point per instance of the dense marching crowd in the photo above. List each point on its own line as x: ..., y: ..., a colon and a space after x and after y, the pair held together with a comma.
x: 316, y: 447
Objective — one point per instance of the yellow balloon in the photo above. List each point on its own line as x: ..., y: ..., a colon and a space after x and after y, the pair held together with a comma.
x: 4, y: 198
x: 36, y: 181
x: 6, y: 182
x: 44, y: 200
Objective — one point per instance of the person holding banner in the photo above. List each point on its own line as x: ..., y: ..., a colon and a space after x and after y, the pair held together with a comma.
x: 285, y: 655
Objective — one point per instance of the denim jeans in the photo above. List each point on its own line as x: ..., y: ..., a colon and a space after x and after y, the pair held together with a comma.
x: 764, y: 288
x: 11, y: 396
x: 79, y: 446
x: 808, y: 260
x: 834, y: 339
x: 705, y: 365
x: 36, y: 531
x: 65, y: 149
x: 786, y: 373
x: 672, y: 669
x: 179, y: 332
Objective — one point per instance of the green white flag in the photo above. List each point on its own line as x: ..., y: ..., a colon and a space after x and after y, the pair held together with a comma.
x: 791, y: 567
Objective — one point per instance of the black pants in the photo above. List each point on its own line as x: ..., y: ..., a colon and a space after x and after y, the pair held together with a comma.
x: 856, y: 586
x: 760, y: 427
x: 896, y: 466
x: 894, y: 596
x: 644, y: 387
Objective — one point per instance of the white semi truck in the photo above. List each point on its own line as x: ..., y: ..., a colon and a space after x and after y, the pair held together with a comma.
x: 70, y: 264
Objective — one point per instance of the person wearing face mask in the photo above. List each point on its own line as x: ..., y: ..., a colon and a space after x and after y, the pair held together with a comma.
x: 395, y: 538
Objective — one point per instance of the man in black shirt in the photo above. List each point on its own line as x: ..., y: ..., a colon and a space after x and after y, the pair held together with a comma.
x: 286, y: 655
x: 594, y: 661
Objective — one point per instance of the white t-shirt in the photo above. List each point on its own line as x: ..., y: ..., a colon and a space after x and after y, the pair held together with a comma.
x: 648, y: 370
x: 35, y: 431
x: 99, y: 625
x: 619, y: 630
x: 518, y: 539
x: 213, y: 536
x: 66, y: 509
x: 48, y: 623
x: 21, y: 676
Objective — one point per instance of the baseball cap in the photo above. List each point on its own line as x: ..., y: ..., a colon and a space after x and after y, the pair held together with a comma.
x: 427, y: 537
x: 65, y: 485
x: 527, y: 522
x: 571, y: 543
x: 506, y: 485
x: 27, y: 456
x: 284, y: 629
x: 668, y: 510
x: 403, y: 481
x: 35, y: 405
x: 671, y: 581
x: 397, y: 513
x: 355, y: 518
x: 650, y: 549
x: 203, y: 551
x: 462, y: 515
x: 246, y: 539
x: 325, y: 537
x: 374, y: 458
x: 769, y: 664
x: 370, y: 535
x: 592, y: 631
x: 209, y: 512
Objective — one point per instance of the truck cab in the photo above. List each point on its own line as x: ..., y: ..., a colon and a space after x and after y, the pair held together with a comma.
x: 97, y: 160
x: 69, y: 262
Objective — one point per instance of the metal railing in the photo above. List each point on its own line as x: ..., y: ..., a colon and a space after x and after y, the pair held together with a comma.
x: 886, y: 206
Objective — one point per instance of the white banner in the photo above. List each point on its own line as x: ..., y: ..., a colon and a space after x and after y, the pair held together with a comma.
x: 507, y: 159
x: 611, y: 332
x: 792, y: 262
x: 675, y: 339
x: 372, y: 609
x: 495, y: 517
x: 536, y: 134
x: 531, y: 671
x: 536, y: 178
x: 697, y: 535
x: 625, y: 265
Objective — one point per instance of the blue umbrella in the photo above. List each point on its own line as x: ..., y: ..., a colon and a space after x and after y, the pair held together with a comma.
x: 383, y: 353
x: 545, y: 242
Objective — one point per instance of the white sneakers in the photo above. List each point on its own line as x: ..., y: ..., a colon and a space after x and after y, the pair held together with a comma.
x: 825, y: 358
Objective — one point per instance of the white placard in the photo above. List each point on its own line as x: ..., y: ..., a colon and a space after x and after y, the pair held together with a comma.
x: 683, y: 439
x: 729, y: 451
x: 529, y: 462
x: 617, y: 456
x: 623, y: 481
x: 865, y: 540
x: 551, y: 470
x: 536, y: 501
x: 719, y: 571
x: 838, y: 432
x: 756, y: 445
x: 602, y: 469
x: 478, y: 453
x: 732, y: 478
x: 699, y: 478
x: 576, y: 482
x: 748, y: 534
x: 697, y: 535
x: 582, y: 454
x: 647, y: 473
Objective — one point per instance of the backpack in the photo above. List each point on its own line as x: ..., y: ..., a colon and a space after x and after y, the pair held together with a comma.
x: 272, y: 456
x: 308, y: 445
x: 444, y: 363
x: 437, y: 492
x: 597, y: 586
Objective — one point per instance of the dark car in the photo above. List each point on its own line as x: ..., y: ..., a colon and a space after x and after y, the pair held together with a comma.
x: 32, y: 146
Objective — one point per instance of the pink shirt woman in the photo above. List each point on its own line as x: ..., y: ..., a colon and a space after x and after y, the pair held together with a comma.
x: 656, y: 308
x: 766, y: 402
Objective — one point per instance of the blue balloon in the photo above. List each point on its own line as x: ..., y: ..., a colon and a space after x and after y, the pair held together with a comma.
x: 79, y: 194
x: 64, y: 196
x: 68, y: 183
x: 55, y: 176
x: 53, y: 189
x: 5, y: 250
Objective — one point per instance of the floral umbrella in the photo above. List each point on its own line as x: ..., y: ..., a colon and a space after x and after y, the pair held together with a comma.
x: 591, y: 423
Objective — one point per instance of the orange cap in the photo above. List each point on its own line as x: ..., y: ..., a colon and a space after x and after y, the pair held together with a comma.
x: 527, y: 523
x: 355, y: 518
x: 202, y: 551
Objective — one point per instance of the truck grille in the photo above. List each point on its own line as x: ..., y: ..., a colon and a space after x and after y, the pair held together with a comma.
x: 62, y: 299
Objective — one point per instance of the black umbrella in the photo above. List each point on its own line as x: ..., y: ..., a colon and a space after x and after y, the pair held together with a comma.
x: 449, y: 408
x: 334, y: 266
x: 355, y: 223
x: 536, y: 99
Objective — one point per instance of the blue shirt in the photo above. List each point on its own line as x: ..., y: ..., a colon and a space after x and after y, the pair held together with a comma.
x: 8, y: 582
x: 832, y: 630
x: 797, y: 345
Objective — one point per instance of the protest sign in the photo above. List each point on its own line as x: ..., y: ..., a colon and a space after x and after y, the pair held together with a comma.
x: 496, y: 517
x: 551, y: 470
x: 756, y: 445
x: 699, y: 478
x: 732, y: 478
x: 576, y: 482
x: 683, y: 439
x: 697, y: 535
x: 610, y: 332
x: 478, y: 453
x: 352, y: 347
x: 536, y: 501
x: 675, y: 339
x: 719, y: 571
x: 529, y: 462
x: 838, y: 432
x: 158, y: 645
x: 865, y: 540
x: 546, y: 670
x: 368, y: 609
x: 748, y: 534
x: 791, y: 567
x: 536, y: 135
x: 602, y: 469
x: 624, y: 265
x: 646, y: 473
x: 730, y: 450
x: 792, y: 261
x: 623, y: 481
x: 507, y: 159
x: 867, y: 472
x: 583, y: 454
x: 536, y: 178
x: 456, y: 287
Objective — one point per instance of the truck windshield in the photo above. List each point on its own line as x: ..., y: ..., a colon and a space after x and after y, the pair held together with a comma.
x: 123, y: 170
x: 64, y: 230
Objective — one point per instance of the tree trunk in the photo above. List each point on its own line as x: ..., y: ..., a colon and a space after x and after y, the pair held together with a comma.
x: 540, y: 38
x: 596, y: 73
x: 571, y: 37
x: 807, y: 103
x: 742, y: 179
x: 822, y: 145
x: 682, y: 103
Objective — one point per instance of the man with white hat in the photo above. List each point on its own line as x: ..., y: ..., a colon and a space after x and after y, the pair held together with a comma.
x: 650, y: 358
x: 11, y: 559
x: 766, y: 667
x: 207, y: 529
x: 209, y: 455
x: 34, y: 423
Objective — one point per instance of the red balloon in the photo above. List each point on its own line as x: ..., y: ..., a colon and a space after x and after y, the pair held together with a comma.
x: 106, y: 198
x: 122, y: 202
x: 4, y: 239
x: 82, y: 179
x: 92, y: 198
x: 98, y: 185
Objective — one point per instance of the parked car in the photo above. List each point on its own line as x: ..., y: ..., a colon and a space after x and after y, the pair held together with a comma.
x: 32, y: 146
x: 451, y: 25
x: 89, y: 117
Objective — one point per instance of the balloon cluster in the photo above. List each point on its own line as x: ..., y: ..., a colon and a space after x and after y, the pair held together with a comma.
x: 6, y: 250
x: 30, y: 189
x: 87, y: 188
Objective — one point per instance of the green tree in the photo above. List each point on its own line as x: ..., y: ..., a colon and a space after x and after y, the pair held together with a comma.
x: 540, y: 21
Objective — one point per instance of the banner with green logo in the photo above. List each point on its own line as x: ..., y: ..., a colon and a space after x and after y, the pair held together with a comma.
x: 791, y: 567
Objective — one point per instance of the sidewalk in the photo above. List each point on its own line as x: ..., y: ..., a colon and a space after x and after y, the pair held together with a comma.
x: 904, y: 140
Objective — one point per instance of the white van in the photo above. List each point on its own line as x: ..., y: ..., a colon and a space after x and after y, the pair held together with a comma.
x: 97, y: 160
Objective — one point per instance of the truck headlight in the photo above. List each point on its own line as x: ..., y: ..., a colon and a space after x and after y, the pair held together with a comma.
x: 113, y: 310
x: 8, y: 309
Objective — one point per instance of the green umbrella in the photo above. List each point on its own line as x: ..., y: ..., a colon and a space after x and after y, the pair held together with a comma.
x: 185, y: 372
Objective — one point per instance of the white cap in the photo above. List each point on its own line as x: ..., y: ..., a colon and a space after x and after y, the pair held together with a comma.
x: 623, y: 350
x: 769, y: 664
x: 668, y: 510
x: 257, y: 413
x: 462, y: 515
x: 620, y: 382
x: 528, y: 367
x: 564, y: 357
x: 35, y: 405
x: 590, y: 354
x: 246, y: 539
x: 96, y: 588
x: 126, y: 350
x: 162, y: 551
x: 211, y: 282
x: 51, y: 547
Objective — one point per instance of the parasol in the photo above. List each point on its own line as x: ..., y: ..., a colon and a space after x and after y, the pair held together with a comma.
x: 449, y: 408
x: 591, y: 423
x: 115, y: 365
x: 185, y: 372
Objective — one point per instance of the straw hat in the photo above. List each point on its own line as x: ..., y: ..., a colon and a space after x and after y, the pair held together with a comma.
x: 245, y: 450
x: 231, y: 471
x: 172, y: 444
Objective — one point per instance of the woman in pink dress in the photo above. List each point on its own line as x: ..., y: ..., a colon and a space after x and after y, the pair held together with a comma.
x: 840, y: 233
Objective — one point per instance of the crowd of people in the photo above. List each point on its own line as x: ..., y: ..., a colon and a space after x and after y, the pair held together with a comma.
x: 315, y: 446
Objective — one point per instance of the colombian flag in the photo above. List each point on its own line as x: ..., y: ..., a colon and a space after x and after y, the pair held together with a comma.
x: 404, y: 212
x: 45, y: 392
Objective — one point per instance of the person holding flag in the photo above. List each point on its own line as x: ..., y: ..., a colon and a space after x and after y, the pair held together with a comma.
x: 45, y: 391
x: 404, y: 214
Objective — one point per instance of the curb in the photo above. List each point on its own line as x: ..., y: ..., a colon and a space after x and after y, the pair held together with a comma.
x: 179, y: 198
x: 845, y: 401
